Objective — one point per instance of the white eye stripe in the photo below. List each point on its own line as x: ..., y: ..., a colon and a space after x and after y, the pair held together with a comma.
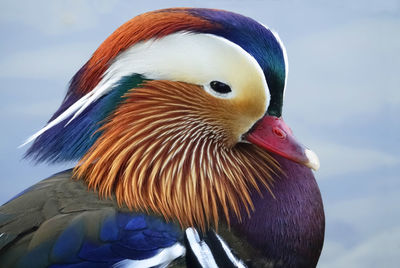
x: 186, y: 57
x: 192, y: 58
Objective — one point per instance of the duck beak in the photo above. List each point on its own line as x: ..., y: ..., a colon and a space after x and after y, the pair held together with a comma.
x: 272, y: 134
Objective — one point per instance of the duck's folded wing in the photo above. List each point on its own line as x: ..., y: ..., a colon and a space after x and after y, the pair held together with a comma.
x: 58, y: 223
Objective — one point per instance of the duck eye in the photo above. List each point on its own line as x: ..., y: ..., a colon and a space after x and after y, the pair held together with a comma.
x: 220, y: 87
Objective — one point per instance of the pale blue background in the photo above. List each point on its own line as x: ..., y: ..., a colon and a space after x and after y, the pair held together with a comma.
x: 342, y: 99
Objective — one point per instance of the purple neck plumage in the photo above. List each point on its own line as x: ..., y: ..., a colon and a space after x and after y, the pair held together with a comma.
x: 288, y: 229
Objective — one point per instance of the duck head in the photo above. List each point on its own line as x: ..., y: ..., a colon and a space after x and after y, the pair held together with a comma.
x: 177, y: 112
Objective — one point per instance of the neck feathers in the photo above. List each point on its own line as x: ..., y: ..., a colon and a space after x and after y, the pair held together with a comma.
x: 157, y: 154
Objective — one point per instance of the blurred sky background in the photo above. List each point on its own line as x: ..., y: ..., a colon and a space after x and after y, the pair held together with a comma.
x: 342, y: 99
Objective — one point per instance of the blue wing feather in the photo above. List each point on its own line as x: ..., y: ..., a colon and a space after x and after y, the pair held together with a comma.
x: 68, y: 243
x: 110, y: 229
x: 95, y: 253
x: 82, y: 265
x: 121, y: 236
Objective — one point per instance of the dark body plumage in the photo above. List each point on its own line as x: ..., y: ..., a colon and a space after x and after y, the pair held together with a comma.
x: 285, y: 231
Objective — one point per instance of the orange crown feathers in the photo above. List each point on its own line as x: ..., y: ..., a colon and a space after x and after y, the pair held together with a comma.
x: 155, y: 24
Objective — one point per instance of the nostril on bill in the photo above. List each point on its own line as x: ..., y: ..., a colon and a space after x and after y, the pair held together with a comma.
x: 279, y: 133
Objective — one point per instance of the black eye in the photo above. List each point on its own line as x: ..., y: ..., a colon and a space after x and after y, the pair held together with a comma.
x: 220, y: 87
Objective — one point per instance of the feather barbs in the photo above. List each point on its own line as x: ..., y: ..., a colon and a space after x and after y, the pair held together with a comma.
x: 163, y: 151
x: 146, y: 26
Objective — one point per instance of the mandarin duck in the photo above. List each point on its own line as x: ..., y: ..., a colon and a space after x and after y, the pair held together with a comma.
x: 183, y: 156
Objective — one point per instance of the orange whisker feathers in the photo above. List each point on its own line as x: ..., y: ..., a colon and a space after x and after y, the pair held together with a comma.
x: 164, y: 151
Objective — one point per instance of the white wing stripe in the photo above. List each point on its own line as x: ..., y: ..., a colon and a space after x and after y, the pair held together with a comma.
x: 236, y: 262
x: 200, y: 249
x: 162, y: 259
